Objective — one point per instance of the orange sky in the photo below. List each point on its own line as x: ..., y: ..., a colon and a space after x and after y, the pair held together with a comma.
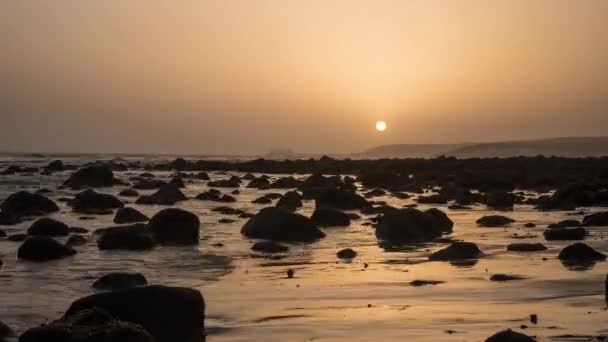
x: 248, y: 76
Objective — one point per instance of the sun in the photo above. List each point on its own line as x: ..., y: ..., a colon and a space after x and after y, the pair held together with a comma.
x: 380, y: 126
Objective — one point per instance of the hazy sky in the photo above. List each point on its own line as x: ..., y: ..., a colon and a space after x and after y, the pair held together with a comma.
x: 247, y: 76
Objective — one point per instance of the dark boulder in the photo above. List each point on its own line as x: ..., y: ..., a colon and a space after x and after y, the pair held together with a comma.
x: 259, y: 183
x: 291, y: 200
x: 457, y: 251
x: 128, y: 193
x: 76, y: 240
x: 48, y: 227
x: 202, y: 176
x: 94, y: 176
x: 346, y: 253
x: 177, y: 182
x: 285, y: 183
x: 24, y: 203
x: 90, y: 325
x: 495, y: 221
x: 17, y: 237
x: 330, y: 217
x: 175, y: 226
x: 553, y: 234
x: 432, y: 199
x: 6, y: 333
x: 41, y: 248
x: 232, y: 182
x: 119, y: 281
x: 580, y: 252
x: 209, y: 195
x: 166, y: 195
x: 526, y: 247
x: 565, y: 224
x: 278, y: 224
x: 169, y: 314
x: 55, y: 165
x: 129, y: 215
x: 262, y: 200
x: 269, y: 247
x: 149, y: 184
x: 412, y: 225
x: 8, y: 218
x: 597, y: 219
x: 500, y: 200
x: 89, y: 201
x: 509, y: 336
x: 505, y: 277
x: 135, y: 237
x: 341, y: 199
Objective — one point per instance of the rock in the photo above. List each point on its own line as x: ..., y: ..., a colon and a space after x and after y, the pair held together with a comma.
x: 149, y: 184
x: 597, y: 219
x: 169, y: 314
x: 269, y: 247
x: 432, y: 199
x: 530, y: 225
x: 89, y: 201
x: 291, y: 200
x: 278, y: 224
x: 177, y: 182
x: 209, y: 195
x: 55, y: 165
x: 120, y: 281
x: 285, y: 183
x: 248, y: 176
x: 374, y: 193
x: 509, y: 336
x: 17, y: 237
x: 418, y: 283
x: 500, y: 200
x: 495, y: 221
x: 580, y: 252
x: 24, y: 203
x: 505, y: 277
x: 128, y: 193
x: 459, y: 207
x: 8, y: 219
x: 341, y: 199
x: 175, y: 226
x: 166, y: 195
x: 259, y: 183
x: 6, y: 332
x: 553, y: 234
x: 91, y: 325
x: 346, y: 253
x: 226, y: 220
x: 41, y: 248
x: 135, y: 237
x: 526, y: 247
x: 48, y: 227
x: 262, y: 200
x: 228, y: 211
x: 129, y: 215
x: 330, y: 217
x: 412, y: 225
x: 2, y: 233
x: 457, y: 251
x: 76, y: 240
x: 232, y: 182
x: 202, y: 176
x: 94, y: 176
x: 565, y: 224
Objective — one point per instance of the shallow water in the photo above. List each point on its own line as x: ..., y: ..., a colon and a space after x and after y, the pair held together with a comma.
x: 250, y: 298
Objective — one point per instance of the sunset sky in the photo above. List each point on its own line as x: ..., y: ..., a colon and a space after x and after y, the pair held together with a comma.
x: 248, y: 76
